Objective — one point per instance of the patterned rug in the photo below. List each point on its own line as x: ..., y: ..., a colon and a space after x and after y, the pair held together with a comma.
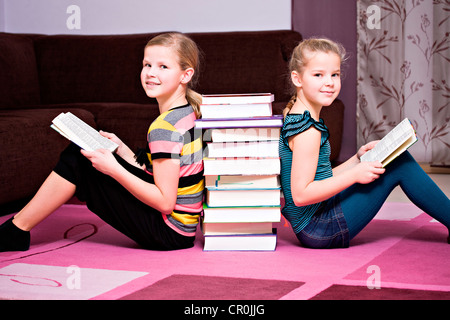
x: 74, y: 255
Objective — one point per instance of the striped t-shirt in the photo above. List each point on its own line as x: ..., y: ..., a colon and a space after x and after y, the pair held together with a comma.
x: 294, y: 124
x: 172, y: 136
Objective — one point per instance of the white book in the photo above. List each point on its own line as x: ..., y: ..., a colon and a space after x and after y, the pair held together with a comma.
x: 234, y: 228
x: 393, y: 144
x: 235, y: 111
x: 241, y: 166
x: 241, y: 214
x: 253, y: 242
x: 242, y: 197
x: 243, y: 134
x: 243, y: 182
x: 257, y: 149
x: 76, y: 130
x: 274, y: 121
x: 245, y: 98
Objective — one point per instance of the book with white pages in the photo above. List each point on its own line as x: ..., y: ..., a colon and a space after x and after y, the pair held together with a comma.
x: 76, y: 130
x: 235, y: 111
x: 241, y: 214
x: 244, y: 242
x: 242, y: 181
x: 260, y: 122
x: 259, y: 149
x: 241, y: 166
x: 242, y: 197
x: 243, y: 134
x: 235, y: 228
x: 398, y: 140
x: 239, y: 98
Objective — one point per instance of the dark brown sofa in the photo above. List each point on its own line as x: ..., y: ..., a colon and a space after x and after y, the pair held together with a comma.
x: 98, y: 79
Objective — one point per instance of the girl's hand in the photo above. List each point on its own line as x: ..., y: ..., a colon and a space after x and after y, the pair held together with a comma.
x: 102, y: 160
x: 114, y: 138
x: 366, y: 148
x: 111, y: 136
x: 367, y: 172
x: 122, y: 150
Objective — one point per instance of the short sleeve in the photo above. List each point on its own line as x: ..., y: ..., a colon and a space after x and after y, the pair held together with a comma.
x: 164, y: 141
x: 298, y: 123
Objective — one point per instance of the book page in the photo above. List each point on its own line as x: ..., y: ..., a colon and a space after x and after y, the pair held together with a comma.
x: 96, y: 140
x: 399, y: 150
x: 81, y: 133
x: 391, y: 142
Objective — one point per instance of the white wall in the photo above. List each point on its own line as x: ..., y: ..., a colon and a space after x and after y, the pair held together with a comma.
x: 141, y: 16
x: 2, y: 15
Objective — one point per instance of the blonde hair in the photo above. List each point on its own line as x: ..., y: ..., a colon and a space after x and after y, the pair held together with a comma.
x: 188, y: 57
x: 302, y: 52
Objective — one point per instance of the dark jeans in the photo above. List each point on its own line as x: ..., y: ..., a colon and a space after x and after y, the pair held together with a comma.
x: 327, y: 228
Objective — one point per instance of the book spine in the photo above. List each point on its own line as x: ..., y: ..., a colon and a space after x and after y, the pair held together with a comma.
x: 238, y: 98
x: 253, y: 181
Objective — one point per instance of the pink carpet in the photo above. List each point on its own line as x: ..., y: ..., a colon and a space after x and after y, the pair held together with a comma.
x: 75, y: 256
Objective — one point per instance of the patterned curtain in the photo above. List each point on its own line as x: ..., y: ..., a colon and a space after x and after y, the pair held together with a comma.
x: 404, y: 71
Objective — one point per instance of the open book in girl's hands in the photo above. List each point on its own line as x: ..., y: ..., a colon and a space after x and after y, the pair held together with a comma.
x: 393, y: 144
x: 79, y: 132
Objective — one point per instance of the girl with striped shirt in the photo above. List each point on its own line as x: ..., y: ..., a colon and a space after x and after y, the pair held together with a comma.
x: 154, y: 198
x: 328, y: 207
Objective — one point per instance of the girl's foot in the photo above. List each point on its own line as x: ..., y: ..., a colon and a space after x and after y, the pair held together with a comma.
x: 12, y: 238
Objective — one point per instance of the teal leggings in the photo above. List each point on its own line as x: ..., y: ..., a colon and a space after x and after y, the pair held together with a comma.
x: 361, y: 202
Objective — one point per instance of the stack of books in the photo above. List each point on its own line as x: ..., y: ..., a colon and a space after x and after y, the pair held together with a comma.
x: 241, y: 168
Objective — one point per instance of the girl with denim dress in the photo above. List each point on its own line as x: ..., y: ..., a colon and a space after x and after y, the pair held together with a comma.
x: 327, y: 207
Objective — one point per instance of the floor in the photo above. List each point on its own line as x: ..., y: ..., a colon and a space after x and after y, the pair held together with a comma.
x: 90, y: 260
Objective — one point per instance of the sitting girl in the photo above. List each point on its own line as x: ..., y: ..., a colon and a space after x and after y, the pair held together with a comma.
x: 328, y: 207
x: 156, y: 202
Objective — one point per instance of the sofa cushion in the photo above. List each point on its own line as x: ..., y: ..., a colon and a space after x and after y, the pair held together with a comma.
x: 246, y: 62
x: 30, y: 149
x: 19, y: 84
x: 74, y: 68
x: 129, y: 121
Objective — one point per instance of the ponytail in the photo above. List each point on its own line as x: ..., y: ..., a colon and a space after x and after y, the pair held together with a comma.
x: 195, y: 100
x: 289, y: 105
